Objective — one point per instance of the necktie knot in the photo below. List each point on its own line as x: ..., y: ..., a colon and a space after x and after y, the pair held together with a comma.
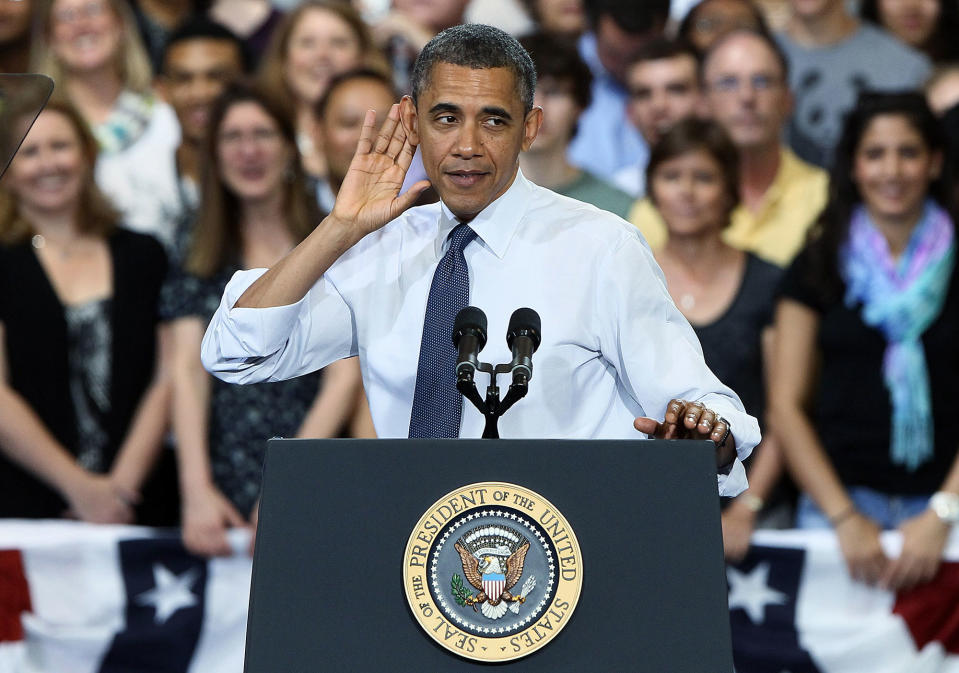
x: 460, y: 237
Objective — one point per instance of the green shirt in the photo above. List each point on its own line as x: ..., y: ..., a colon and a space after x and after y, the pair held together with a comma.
x: 591, y: 189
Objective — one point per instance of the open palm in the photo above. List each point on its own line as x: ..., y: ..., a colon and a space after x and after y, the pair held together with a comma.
x: 370, y: 194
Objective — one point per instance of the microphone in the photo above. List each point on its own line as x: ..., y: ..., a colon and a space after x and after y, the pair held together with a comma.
x: 523, y: 338
x: 469, y: 337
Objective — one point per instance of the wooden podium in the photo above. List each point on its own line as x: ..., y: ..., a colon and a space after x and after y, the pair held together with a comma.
x: 336, y: 515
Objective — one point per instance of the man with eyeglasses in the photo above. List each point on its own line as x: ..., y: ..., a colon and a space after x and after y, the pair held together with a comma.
x: 744, y: 77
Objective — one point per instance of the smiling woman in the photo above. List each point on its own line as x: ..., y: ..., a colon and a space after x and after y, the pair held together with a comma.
x: 254, y: 208
x: 726, y: 294
x: 873, y: 304
x: 92, y: 50
x: 927, y: 25
x: 83, y: 399
x: 317, y: 41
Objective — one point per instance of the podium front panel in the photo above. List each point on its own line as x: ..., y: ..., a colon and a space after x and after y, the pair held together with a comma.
x: 336, y: 515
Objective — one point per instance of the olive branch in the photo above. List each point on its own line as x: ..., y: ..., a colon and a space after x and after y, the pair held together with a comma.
x: 459, y: 591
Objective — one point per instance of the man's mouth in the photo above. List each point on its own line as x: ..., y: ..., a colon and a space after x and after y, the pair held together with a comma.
x: 466, y: 178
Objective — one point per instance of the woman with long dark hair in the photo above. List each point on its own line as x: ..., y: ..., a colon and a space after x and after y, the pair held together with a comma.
x: 927, y: 25
x: 864, y: 392
x: 254, y: 209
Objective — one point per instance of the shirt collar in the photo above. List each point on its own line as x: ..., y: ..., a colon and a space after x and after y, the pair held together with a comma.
x: 496, y: 224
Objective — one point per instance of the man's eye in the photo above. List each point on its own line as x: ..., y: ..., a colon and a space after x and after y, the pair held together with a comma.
x: 446, y: 119
x: 495, y: 121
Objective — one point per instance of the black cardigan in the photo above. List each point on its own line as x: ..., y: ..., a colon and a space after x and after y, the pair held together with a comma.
x: 36, y: 351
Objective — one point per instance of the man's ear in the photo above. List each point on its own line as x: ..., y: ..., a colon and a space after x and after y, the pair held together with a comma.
x: 935, y: 166
x: 159, y: 85
x: 409, y: 120
x: 534, y: 119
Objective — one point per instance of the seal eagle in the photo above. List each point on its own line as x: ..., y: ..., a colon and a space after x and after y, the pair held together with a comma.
x: 493, y: 582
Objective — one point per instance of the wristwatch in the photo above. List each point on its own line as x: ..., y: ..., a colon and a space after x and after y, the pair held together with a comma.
x: 946, y: 506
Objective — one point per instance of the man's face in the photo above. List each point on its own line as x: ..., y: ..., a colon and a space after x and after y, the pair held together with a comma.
x: 661, y: 92
x: 470, y: 126
x: 812, y: 9
x: 435, y: 14
x: 560, y: 112
x: 714, y: 18
x: 746, y: 91
x: 194, y: 74
x: 616, y: 47
x: 339, y: 130
x: 14, y: 21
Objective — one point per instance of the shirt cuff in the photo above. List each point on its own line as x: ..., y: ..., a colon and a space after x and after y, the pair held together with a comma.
x: 734, y: 483
x: 743, y: 427
x: 250, y: 334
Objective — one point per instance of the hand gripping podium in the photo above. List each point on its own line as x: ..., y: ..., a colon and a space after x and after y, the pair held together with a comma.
x: 385, y: 555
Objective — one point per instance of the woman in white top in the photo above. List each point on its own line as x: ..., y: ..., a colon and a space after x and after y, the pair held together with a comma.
x: 92, y: 50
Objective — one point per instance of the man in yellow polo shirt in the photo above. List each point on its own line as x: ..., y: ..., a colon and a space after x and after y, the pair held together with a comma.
x: 745, y: 84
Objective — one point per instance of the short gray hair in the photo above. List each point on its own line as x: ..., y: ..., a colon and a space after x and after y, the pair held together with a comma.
x: 476, y: 46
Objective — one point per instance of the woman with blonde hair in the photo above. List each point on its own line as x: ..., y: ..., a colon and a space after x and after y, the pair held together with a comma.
x: 83, y: 399
x: 92, y: 50
x: 315, y: 42
x: 255, y: 208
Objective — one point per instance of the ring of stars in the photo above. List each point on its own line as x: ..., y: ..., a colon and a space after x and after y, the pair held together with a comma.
x: 450, y: 609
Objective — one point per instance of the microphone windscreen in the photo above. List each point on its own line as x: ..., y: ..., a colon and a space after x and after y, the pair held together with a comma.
x: 472, y: 319
x: 524, y: 320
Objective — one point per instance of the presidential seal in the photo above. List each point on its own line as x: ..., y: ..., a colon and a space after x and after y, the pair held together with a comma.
x: 492, y: 571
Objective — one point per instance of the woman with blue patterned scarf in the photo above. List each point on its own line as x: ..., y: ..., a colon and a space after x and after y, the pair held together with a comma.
x: 864, y: 393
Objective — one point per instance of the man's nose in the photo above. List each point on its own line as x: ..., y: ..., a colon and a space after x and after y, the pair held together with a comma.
x: 891, y: 165
x: 468, y: 142
x: 659, y: 100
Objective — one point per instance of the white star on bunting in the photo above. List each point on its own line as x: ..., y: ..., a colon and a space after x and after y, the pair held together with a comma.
x: 750, y: 591
x: 170, y: 594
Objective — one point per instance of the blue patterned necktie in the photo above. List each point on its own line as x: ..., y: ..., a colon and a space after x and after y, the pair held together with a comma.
x: 437, y: 404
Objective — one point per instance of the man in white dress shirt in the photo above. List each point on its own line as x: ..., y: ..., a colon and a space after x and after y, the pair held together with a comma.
x: 615, y: 351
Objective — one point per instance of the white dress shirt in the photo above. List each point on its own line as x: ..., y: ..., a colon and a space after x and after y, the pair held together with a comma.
x: 614, y: 346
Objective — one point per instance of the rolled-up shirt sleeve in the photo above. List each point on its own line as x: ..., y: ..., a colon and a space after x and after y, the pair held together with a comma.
x: 250, y: 345
x: 656, y: 353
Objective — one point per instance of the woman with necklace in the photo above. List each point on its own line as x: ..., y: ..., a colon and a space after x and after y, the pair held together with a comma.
x: 726, y: 294
x: 93, y: 51
x: 254, y: 209
x: 83, y: 398
x: 864, y: 390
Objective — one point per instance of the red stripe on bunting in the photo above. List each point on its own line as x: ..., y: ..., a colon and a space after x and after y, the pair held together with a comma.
x: 14, y: 595
x: 932, y: 610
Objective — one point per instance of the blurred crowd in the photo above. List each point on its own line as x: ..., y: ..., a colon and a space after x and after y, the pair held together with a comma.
x: 788, y: 161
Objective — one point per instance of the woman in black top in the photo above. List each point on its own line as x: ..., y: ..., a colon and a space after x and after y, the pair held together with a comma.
x: 254, y: 208
x: 83, y: 406
x: 864, y: 394
x: 726, y: 294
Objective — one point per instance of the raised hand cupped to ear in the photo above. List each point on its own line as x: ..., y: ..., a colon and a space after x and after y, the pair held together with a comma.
x: 370, y: 194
